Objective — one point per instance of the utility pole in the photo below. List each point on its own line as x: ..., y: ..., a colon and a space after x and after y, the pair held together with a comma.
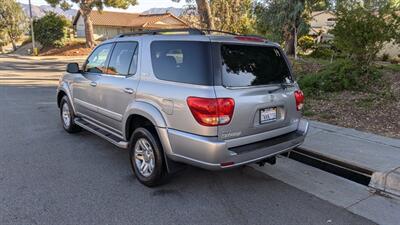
x: 34, y: 51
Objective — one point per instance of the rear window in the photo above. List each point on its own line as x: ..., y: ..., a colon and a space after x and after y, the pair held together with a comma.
x: 182, y: 61
x: 246, y: 65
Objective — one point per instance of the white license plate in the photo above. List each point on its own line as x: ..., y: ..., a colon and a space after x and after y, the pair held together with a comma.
x: 267, y: 115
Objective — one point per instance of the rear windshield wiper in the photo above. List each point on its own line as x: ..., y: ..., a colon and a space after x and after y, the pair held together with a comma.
x: 282, y: 86
x: 286, y: 85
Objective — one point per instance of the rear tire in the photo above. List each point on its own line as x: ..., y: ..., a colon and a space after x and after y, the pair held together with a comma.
x: 147, y: 157
x: 67, y: 116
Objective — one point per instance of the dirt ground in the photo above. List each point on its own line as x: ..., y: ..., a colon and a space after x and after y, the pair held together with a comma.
x: 376, y: 111
x: 71, y: 49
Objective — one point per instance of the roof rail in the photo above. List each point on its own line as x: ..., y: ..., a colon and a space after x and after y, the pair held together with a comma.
x: 219, y: 31
x: 190, y: 31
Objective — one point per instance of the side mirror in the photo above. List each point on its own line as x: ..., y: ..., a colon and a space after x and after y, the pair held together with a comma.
x: 73, y: 68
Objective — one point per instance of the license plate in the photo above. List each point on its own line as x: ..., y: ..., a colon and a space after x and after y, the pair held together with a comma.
x: 267, y: 115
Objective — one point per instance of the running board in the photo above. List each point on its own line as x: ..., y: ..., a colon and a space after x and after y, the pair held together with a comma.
x: 101, y: 132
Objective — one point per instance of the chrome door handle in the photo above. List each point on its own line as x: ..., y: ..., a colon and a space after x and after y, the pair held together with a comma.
x: 128, y: 90
x: 93, y: 84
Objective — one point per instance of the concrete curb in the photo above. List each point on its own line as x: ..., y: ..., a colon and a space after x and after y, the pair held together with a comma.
x: 388, y: 182
x: 384, y: 178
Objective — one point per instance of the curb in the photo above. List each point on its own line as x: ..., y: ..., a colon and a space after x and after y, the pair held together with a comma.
x: 387, y: 182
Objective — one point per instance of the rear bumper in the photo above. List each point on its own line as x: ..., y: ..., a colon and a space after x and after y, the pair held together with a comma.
x: 209, y: 152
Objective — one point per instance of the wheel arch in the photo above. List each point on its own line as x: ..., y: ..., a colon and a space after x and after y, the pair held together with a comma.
x: 63, y: 90
x: 60, y: 95
x: 145, y: 112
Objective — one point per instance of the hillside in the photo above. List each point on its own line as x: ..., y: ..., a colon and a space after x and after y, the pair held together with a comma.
x: 174, y: 11
x: 39, y: 11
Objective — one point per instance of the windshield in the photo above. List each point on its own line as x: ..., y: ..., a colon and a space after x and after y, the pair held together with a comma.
x: 250, y: 65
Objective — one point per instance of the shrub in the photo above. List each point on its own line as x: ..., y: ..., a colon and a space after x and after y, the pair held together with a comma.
x: 338, y: 76
x: 322, y: 51
x: 50, y: 29
x: 60, y: 43
x: 306, y: 43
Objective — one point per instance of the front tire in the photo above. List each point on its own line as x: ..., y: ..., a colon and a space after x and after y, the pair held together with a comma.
x: 146, y: 157
x: 67, y: 116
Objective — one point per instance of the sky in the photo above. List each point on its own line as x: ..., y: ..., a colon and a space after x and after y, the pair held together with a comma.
x: 142, y: 6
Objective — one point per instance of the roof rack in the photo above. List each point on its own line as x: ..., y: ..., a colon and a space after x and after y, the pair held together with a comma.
x: 190, y: 31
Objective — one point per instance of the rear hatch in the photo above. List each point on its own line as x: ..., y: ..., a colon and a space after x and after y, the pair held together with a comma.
x: 258, y: 78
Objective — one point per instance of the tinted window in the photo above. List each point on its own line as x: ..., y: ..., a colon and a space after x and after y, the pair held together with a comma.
x: 182, y: 61
x: 244, y: 65
x: 97, y: 61
x: 121, y: 58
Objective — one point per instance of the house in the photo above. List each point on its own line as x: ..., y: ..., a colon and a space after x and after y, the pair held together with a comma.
x: 108, y: 24
x: 320, y: 25
x: 324, y: 21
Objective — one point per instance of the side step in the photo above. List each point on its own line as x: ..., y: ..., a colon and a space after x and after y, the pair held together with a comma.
x: 101, y: 132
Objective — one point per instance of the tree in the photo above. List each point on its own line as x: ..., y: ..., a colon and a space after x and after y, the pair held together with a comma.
x: 12, y: 20
x: 233, y: 15
x: 362, y: 29
x: 204, y: 11
x: 3, y: 40
x: 284, y: 20
x: 86, y: 7
x: 50, y: 29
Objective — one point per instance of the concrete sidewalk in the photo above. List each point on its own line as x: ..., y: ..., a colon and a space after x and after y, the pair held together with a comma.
x: 381, y: 155
x: 378, y: 154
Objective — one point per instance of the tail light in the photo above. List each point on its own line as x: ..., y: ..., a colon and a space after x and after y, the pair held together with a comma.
x: 211, y: 111
x: 299, y: 96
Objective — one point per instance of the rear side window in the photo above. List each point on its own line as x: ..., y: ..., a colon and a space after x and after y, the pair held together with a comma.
x: 249, y: 65
x: 97, y: 61
x: 121, y: 58
x: 182, y: 61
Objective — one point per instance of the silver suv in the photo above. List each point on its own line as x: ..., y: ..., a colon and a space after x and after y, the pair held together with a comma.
x: 177, y: 97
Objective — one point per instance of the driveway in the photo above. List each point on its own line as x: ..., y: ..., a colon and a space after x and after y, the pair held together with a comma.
x: 48, y: 176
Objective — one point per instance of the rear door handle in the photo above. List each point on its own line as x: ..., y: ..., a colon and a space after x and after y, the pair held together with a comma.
x: 93, y: 84
x: 128, y: 90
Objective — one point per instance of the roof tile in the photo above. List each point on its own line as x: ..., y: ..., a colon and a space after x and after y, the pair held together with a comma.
x: 123, y: 19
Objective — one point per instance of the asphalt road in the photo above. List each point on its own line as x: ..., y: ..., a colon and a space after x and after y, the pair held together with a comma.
x: 48, y: 176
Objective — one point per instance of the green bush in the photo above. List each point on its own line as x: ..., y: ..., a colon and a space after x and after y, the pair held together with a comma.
x: 306, y: 43
x: 338, y: 76
x: 322, y: 51
x: 50, y: 29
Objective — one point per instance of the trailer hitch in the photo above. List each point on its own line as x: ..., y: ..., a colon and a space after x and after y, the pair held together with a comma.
x: 270, y: 160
